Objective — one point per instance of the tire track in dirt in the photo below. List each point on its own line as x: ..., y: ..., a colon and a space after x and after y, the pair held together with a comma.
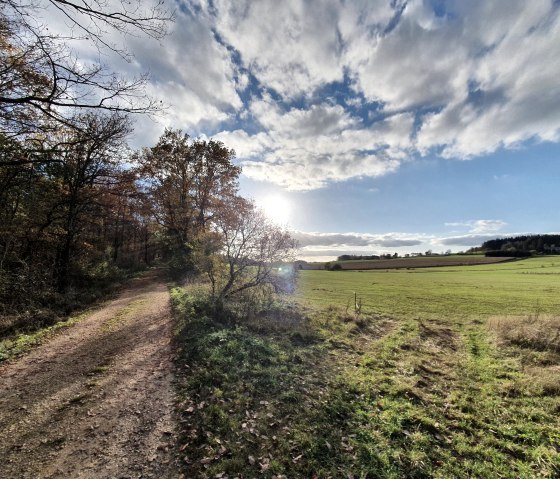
x: 96, y: 401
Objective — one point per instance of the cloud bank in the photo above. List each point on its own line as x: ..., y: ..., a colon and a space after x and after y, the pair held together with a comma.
x: 319, y: 91
x: 326, y: 245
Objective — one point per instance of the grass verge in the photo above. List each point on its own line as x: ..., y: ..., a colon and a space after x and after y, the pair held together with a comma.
x: 17, y: 341
x: 28, y: 312
x: 21, y: 343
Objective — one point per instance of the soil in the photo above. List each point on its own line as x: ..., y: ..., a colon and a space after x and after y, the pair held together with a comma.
x: 97, y: 400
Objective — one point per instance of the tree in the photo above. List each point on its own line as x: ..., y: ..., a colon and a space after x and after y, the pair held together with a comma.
x: 41, y: 80
x: 127, y: 226
x: 61, y: 215
x: 187, y: 183
x: 68, y: 210
x: 253, y: 252
x: 82, y: 169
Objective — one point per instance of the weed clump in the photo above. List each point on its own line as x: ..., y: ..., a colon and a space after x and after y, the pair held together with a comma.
x: 537, y: 332
x: 535, y: 339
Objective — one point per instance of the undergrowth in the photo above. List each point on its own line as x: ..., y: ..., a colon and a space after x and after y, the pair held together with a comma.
x: 30, y: 306
x: 24, y: 330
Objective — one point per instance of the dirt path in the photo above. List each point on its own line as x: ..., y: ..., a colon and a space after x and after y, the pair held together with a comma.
x: 96, y: 401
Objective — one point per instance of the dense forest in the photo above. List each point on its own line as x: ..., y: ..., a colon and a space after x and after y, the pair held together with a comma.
x: 80, y: 210
x: 523, y: 245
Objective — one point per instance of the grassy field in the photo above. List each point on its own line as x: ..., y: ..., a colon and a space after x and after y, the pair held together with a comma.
x: 518, y: 287
x: 413, y: 262
x: 444, y: 373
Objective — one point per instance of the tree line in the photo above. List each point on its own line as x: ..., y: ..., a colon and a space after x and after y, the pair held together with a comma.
x: 524, y: 245
x: 353, y: 257
x: 78, y: 207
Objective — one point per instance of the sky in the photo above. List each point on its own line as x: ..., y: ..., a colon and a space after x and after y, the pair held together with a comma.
x: 372, y: 126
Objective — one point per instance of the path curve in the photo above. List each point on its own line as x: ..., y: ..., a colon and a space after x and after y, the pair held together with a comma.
x: 96, y: 401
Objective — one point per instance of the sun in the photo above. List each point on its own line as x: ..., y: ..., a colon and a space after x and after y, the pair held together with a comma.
x: 276, y: 208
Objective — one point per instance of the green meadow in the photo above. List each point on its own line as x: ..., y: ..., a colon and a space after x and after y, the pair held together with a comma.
x: 518, y: 287
x: 435, y: 373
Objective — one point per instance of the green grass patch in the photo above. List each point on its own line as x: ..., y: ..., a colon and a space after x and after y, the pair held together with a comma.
x: 517, y: 287
x: 258, y: 399
x: 99, y: 370
x: 125, y: 314
x: 19, y: 344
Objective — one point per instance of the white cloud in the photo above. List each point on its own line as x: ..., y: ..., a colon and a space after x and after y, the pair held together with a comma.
x: 420, y: 62
x: 191, y: 73
x: 480, y: 226
x: 300, y: 169
x: 245, y: 145
x: 326, y: 246
x: 474, y: 78
x: 515, y: 94
x: 490, y: 73
x: 304, y: 149
x: 330, y: 239
x: 346, y: 240
x: 291, y: 46
x: 329, y: 245
x: 317, y: 120
x: 488, y: 226
x: 465, y: 240
x: 479, y: 231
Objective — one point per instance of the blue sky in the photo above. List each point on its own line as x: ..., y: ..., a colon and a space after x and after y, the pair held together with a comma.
x: 383, y: 125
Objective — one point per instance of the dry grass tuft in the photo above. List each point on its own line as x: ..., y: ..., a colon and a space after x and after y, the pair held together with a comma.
x: 537, y: 332
x: 537, y: 338
x: 543, y: 381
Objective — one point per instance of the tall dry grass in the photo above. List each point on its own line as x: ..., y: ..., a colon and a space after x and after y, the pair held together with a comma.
x: 537, y: 332
x: 537, y: 341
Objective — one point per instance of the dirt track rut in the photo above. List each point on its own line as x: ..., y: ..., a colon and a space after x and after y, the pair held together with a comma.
x: 96, y: 401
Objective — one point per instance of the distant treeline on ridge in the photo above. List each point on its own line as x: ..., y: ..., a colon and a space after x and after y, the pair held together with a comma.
x: 522, y: 245
x: 349, y: 257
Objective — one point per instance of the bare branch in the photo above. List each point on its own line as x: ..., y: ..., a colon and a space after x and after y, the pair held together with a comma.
x: 41, y: 82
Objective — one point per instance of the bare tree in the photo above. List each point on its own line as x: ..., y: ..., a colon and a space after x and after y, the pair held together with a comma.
x: 253, y: 251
